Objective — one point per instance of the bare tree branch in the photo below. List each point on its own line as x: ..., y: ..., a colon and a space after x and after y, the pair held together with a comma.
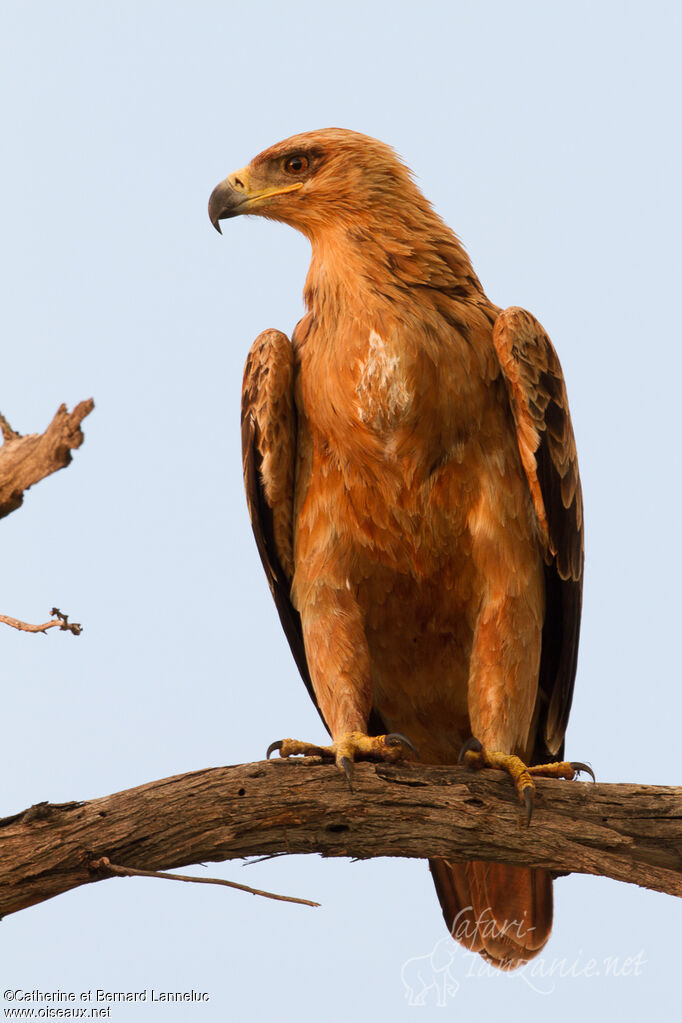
x: 26, y: 460
x: 627, y: 832
x: 59, y: 621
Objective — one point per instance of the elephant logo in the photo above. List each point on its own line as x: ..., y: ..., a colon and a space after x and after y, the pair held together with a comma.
x: 425, y: 974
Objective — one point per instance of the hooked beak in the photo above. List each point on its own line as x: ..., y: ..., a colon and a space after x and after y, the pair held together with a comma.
x: 233, y: 197
x: 226, y: 201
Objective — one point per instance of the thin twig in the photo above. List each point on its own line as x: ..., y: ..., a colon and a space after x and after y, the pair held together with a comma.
x: 60, y: 621
x: 251, y: 861
x: 104, y: 863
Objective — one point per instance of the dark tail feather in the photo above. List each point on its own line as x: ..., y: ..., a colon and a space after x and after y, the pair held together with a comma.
x: 503, y: 912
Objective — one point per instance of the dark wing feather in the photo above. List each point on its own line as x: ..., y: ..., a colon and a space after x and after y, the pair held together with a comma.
x: 537, y: 395
x: 268, y: 459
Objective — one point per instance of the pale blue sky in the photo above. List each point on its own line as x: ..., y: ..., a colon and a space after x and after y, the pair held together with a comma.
x: 547, y: 135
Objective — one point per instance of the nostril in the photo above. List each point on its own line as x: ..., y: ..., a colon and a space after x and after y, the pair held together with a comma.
x: 238, y: 183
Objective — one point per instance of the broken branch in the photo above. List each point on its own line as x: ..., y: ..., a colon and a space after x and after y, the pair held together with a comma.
x: 26, y: 460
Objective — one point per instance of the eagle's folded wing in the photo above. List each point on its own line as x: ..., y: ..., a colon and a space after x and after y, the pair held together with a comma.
x: 268, y: 457
x: 537, y: 395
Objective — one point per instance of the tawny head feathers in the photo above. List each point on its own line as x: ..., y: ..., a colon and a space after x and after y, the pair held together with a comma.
x: 321, y: 180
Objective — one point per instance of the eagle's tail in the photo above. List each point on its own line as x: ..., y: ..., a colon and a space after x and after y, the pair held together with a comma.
x: 503, y: 912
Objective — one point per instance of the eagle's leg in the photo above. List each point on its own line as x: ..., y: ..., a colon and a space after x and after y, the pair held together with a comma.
x: 339, y: 662
x: 505, y: 657
x: 475, y: 755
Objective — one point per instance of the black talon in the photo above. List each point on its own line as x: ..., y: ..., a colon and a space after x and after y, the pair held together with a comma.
x: 529, y: 800
x: 347, y: 766
x: 273, y: 746
x: 471, y: 745
x: 578, y: 767
x: 396, y: 739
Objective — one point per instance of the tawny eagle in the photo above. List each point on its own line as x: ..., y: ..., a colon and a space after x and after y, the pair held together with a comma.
x: 412, y: 481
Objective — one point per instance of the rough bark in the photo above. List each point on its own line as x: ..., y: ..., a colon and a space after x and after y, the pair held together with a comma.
x: 26, y: 460
x: 627, y: 832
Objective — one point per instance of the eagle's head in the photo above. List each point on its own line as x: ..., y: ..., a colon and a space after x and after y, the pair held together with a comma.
x: 317, y: 181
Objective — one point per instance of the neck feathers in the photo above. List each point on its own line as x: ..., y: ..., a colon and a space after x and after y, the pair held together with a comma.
x: 388, y: 256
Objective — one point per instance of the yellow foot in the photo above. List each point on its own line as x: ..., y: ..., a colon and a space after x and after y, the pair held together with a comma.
x: 474, y: 755
x: 350, y: 747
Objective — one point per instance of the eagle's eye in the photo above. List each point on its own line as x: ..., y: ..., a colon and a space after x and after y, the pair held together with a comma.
x: 296, y: 164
